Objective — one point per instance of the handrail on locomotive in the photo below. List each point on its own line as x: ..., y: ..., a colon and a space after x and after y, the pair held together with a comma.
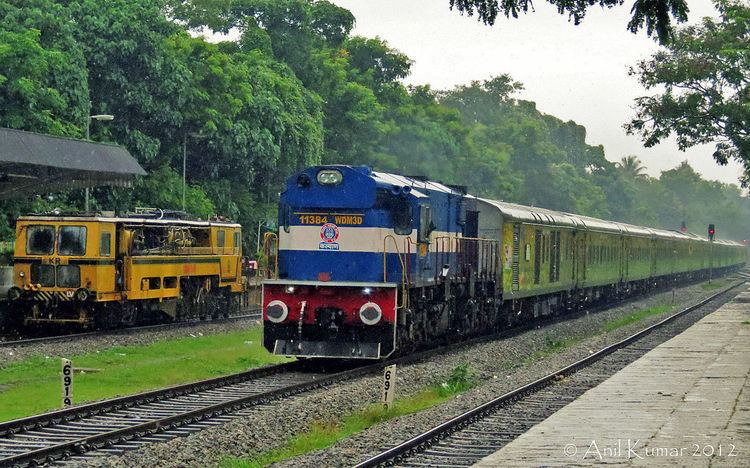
x: 474, y: 257
x: 271, y: 252
x: 404, y: 276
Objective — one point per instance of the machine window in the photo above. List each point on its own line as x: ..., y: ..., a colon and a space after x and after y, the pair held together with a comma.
x: 40, y: 240
x: 72, y: 240
x: 68, y: 276
x: 220, y: 238
x: 105, y: 245
x: 43, y: 274
x: 237, y: 241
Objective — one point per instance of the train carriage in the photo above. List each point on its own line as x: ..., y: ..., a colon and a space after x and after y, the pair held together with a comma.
x: 371, y: 263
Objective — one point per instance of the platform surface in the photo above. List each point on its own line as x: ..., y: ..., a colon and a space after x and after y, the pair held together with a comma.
x: 684, y: 403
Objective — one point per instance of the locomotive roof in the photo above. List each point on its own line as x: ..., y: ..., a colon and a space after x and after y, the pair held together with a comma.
x: 127, y: 220
x: 416, y: 184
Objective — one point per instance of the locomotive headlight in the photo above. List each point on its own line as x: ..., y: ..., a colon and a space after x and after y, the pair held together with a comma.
x: 370, y: 313
x: 367, y: 291
x: 21, y: 274
x: 290, y: 289
x: 277, y: 311
x: 330, y: 177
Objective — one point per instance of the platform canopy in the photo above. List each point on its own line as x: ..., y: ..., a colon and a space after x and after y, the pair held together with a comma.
x: 32, y: 163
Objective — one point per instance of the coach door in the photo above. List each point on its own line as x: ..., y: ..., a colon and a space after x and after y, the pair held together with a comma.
x: 581, y: 260
x: 516, y: 254
x: 537, y: 255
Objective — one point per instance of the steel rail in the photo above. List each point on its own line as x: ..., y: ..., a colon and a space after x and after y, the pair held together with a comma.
x: 422, y: 441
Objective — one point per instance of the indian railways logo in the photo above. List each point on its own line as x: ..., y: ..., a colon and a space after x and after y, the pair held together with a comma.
x: 329, y: 232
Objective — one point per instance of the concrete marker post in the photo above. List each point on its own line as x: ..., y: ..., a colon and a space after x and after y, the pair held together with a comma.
x: 389, y: 385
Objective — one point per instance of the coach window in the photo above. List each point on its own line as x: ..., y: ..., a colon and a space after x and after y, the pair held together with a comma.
x: 40, y: 240
x: 72, y: 240
x: 105, y: 245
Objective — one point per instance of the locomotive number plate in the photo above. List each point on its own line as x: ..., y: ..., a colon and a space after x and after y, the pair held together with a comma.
x: 338, y: 219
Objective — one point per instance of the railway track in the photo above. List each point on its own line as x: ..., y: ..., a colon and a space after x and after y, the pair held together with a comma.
x: 113, y: 426
x: 13, y: 341
x: 471, y: 436
x: 156, y: 415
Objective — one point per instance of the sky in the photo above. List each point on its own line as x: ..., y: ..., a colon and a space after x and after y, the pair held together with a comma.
x: 573, y: 72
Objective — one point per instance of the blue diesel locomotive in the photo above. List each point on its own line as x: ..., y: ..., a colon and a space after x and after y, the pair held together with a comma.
x: 372, y: 263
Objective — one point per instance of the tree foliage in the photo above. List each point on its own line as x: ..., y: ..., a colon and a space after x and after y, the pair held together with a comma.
x: 295, y: 89
x: 705, y: 75
x: 655, y: 15
x: 43, y: 81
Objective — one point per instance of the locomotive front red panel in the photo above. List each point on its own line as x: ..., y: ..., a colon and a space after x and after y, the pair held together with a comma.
x: 321, y: 319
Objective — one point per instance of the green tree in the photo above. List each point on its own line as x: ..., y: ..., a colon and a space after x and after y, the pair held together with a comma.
x: 133, y: 74
x: 631, y: 167
x: 705, y: 74
x: 43, y: 79
x: 655, y: 15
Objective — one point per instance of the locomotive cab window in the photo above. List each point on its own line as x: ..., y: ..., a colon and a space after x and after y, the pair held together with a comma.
x: 72, y: 240
x: 40, y: 240
x: 237, y: 241
x: 401, y: 213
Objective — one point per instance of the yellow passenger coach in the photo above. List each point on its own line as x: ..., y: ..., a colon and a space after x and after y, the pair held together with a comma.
x: 108, y: 271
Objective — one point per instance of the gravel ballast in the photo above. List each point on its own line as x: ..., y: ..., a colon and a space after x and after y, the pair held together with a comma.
x: 498, y: 363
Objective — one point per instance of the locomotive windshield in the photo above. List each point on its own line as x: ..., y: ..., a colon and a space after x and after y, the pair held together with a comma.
x: 40, y: 240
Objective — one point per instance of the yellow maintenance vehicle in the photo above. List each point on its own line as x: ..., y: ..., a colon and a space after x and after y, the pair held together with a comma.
x: 105, y: 271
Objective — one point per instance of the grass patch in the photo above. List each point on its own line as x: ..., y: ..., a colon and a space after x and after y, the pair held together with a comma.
x: 613, y: 325
x: 715, y: 284
x: 33, y: 385
x: 323, y: 434
x: 552, y: 346
x: 746, y: 322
